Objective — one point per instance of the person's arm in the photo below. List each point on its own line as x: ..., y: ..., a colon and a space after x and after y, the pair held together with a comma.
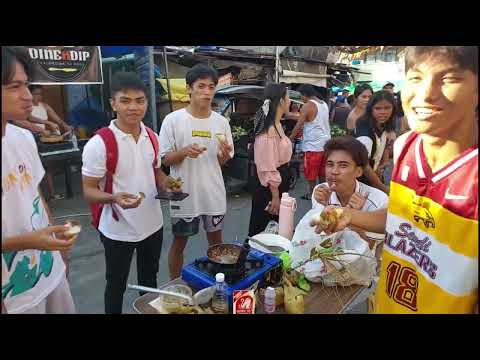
x: 226, y: 151
x: 374, y: 179
x: 63, y: 253
x: 304, y: 112
x: 53, y: 116
x: 42, y: 239
x: 169, y: 152
x: 4, y: 309
x: 265, y: 153
x: 48, y: 124
x: 371, y: 221
x: 26, y: 124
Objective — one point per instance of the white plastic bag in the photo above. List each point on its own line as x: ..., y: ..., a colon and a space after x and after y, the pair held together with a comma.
x: 351, y: 269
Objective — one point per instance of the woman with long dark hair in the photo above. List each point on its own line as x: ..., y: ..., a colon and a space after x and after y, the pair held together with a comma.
x: 272, y: 153
x: 376, y: 130
x: 362, y: 95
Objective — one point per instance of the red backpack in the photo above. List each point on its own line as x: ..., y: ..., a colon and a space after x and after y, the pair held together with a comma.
x: 112, y: 158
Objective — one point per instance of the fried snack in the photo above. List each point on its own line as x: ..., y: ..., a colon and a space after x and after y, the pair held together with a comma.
x: 173, y: 183
x: 221, y: 137
x: 326, y: 219
x: 141, y: 195
x: 74, y: 228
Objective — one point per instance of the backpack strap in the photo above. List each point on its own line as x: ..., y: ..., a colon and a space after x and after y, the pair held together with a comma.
x: 156, y: 146
x: 108, y: 138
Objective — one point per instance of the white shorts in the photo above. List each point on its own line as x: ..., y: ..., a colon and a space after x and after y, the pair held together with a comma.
x: 59, y: 301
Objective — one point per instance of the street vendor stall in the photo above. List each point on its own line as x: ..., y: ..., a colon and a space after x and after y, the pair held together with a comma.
x: 310, y: 274
x: 320, y: 300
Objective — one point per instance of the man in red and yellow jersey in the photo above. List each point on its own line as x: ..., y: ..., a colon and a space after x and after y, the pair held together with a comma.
x: 430, y: 257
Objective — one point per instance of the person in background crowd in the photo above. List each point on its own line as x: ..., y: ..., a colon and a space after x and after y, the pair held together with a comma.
x: 362, y: 95
x: 426, y: 267
x: 272, y: 153
x: 43, y: 114
x: 316, y: 132
x: 377, y: 133
x: 196, y: 142
x: 342, y: 109
x: 34, y: 253
x: 351, y: 100
x: 389, y: 86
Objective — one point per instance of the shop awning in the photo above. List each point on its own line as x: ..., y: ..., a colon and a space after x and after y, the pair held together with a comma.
x: 289, y: 76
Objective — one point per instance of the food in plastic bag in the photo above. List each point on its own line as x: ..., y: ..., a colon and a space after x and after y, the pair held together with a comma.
x: 294, y: 302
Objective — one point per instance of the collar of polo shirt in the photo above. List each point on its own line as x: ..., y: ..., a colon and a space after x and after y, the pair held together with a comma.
x: 115, y: 128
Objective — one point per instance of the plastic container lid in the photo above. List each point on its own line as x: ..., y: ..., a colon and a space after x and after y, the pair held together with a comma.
x: 220, y: 277
x: 270, y: 290
x: 285, y: 195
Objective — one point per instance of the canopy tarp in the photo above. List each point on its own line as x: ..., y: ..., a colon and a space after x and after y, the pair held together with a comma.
x: 178, y: 89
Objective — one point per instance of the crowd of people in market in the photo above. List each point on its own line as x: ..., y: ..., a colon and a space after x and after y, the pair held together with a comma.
x: 405, y: 176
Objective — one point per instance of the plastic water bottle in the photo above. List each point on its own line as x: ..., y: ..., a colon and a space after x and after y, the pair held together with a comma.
x: 74, y: 140
x: 288, y: 206
x: 269, y: 302
x: 219, y: 301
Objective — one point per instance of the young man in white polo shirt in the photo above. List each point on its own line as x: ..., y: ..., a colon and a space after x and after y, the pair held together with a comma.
x: 33, y: 271
x: 195, y: 143
x: 345, y: 159
x: 131, y: 218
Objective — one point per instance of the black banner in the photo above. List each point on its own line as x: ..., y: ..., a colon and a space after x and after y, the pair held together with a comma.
x: 66, y: 64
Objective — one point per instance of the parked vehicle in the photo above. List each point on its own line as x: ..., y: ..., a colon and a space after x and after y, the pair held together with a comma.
x: 239, y: 103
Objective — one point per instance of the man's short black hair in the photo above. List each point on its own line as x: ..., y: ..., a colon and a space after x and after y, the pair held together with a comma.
x: 347, y: 143
x: 123, y: 80
x: 11, y: 55
x: 464, y: 56
x: 307, y: 90
x: 201, y: 71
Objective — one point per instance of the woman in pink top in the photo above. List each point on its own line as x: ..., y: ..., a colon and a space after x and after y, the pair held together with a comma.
x: 272, y: 153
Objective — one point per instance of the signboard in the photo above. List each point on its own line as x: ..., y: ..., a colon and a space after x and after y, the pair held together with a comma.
x: 66, y: 64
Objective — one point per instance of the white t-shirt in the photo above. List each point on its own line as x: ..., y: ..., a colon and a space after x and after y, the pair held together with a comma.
x: 376, y: 200
x: 134, y: 174
x: 202, y: 177
x: 28, y: 276
x: 381, y: 144
x: 316, y: 133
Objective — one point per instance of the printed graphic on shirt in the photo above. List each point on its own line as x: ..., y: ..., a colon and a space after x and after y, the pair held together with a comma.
x: 28, y: 270
x: 199, y: 133
x: 10, y: 180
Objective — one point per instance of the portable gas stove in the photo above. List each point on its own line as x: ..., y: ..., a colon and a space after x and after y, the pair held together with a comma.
x: 265, y: 268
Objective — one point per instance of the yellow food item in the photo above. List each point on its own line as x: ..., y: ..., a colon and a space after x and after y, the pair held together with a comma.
x: 326, y: 219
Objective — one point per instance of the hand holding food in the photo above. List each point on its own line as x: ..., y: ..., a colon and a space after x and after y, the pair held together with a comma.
x: 331, y: 220
x: 322, y: 194
x: 126, y: 200
x: 194, y: 150
x: 73, y: 228
x: 51, y: 238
